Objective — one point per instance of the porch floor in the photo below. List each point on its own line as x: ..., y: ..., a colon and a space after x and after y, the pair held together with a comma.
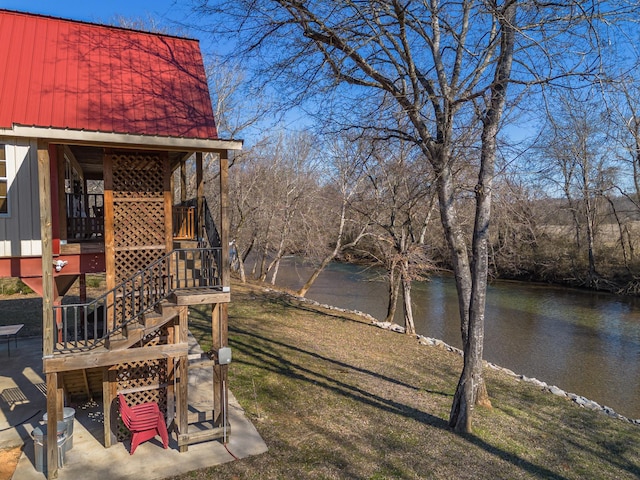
x: 23, y: 402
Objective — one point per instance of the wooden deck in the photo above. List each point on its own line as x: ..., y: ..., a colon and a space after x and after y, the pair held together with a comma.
x: 102, y: 357
x: 199, y: 296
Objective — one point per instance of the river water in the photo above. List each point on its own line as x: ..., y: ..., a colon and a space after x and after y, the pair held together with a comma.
x: 583, y: 342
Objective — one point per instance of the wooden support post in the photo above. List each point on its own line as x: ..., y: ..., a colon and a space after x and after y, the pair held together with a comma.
x: 219, y: 336
x: 219, y: 314
x: 62, y: 196
x: 217, y: 371
x: 106, y: 408
x: 183, y: 181
x: 48, y: 332
x: 83, y: 288
x: 109, y: 238
x: 182, y: 403
x: 52, y: 425
x: 87, y: 387
x: 109, y: 393
x: 224, y: 219
x: 168, y: 202
x: 199, y: 197
x: 44, y: 184
x: 172, y: 338
x: 183, y: 407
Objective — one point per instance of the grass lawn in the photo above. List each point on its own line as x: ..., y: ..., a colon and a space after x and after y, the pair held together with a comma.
x: 337, y: 398
x: 334, y: 397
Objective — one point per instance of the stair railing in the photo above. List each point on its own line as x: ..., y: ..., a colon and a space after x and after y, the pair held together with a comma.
x: 83, y: 327
x: 210, y: 230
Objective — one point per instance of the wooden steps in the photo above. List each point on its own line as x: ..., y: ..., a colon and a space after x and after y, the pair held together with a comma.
x: 133, y: 333
x: 151, y: 321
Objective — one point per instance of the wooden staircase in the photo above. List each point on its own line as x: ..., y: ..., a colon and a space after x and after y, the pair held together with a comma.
x: 134, y: 332
x: 141, y: 304
x: 99, y: 344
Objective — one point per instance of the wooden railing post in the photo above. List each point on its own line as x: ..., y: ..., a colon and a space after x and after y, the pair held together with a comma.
x: 199, y: 197
x: 224, y: 219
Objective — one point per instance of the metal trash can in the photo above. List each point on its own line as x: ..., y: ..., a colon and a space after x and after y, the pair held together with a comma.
x: 68, y: 416
x: 40, y: 446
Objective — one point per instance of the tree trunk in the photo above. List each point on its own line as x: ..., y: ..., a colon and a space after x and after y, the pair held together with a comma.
x: 276, y: 267
x: 456, y: 242
x: 394, y: 287
x: 471, y: 388
x: 327, y: 260
x: 409, y: 325
x: 316, y: 273
x: 591, y: 220
x: 243, y: 275
x: 263, y: 263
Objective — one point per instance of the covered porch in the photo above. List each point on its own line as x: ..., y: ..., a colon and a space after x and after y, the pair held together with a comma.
x: 23, y: 402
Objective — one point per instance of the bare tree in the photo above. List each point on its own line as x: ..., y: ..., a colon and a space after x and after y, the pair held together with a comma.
x: 245, y: 187
x: 576, y: 148
x: 347, y: 157
x: 271, y: 188
x: 444, y: 65
x: 237, y: 104
x: 398, y: 204
x: 625, y: 112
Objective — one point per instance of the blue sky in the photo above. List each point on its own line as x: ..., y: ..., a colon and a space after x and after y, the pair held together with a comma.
x: 98, y: 11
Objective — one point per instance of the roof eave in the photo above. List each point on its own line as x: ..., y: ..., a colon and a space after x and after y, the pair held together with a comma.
x: 124, y: 140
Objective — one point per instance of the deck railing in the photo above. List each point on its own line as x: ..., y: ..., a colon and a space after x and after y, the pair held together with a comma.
x: 206, y: 234
x: 85, y: 215
x: 184, y: 223
x: 82, y: 327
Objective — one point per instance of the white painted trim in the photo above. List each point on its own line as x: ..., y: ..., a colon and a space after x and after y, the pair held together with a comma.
x: 82, y: 137
x: 9, y: 173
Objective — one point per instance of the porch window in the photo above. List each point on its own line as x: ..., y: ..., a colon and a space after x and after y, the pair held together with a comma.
x: 4, y: 204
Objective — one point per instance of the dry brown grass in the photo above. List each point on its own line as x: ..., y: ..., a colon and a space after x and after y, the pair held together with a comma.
x: 335, y: 397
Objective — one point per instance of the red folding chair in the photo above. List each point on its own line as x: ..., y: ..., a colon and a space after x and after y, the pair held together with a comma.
x: 144, y: 421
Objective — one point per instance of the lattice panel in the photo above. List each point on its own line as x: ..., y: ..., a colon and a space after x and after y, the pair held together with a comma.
x: 129, y: 262
x: 138, y: 375
x: 138, y: 211
x: 139, y: 222
x: 159, y: 337
x: 138, y: 180
x: 137, y: 175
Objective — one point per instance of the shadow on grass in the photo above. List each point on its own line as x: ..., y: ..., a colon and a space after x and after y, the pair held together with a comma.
x: 336, y: 363
x: 282, y: 366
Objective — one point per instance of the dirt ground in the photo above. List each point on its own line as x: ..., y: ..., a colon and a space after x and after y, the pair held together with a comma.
x: 8, y: 462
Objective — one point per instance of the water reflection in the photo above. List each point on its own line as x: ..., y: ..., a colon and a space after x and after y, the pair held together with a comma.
x: 586, y: 343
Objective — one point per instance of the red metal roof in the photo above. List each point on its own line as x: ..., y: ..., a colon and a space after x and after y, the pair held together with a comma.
x: 67, y: 74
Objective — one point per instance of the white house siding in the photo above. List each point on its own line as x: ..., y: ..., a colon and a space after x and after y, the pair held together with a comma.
x: 20, y: 228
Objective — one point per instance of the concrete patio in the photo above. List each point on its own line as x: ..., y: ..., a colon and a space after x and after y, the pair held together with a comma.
x: 22, y: 404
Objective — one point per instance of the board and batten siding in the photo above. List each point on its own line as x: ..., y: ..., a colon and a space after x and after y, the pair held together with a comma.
x: 20, y: 227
